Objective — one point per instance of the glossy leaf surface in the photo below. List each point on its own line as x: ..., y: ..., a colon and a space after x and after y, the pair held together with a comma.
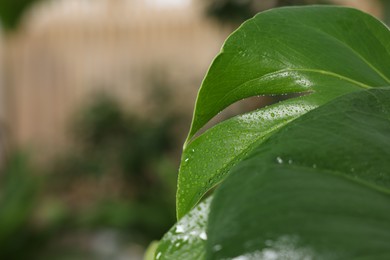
x: 328, y: 51
x: 290, y: 50
x: 317, y: 189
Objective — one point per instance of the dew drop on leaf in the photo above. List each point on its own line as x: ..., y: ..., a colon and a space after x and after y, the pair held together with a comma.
x: 279, y: 160
x: 217, y: 248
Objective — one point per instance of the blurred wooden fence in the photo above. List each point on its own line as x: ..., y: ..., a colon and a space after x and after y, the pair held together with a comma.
x: 67, y: 49
x: 64, y: 52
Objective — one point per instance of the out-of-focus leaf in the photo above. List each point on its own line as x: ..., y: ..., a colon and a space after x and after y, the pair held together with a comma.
x: 11, y: 11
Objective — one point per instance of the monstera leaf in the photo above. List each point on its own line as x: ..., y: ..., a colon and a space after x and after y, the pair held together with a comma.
x: 321, y: 51
x: 306, y: 178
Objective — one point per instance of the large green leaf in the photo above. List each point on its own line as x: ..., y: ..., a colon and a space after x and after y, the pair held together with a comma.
x: 327, y: 51
x: 317, y: 189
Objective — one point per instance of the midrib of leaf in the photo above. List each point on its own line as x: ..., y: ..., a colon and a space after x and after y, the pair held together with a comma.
x: 324, y: 72
x: 329, y: 73
x: 343, y: 175
x: 238, y: 88
x: 351, y: 49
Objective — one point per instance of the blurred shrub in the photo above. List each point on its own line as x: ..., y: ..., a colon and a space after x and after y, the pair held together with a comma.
x: 18, y: 197
x: 237, y: 11
x: 128, y: 163
x: 12, y: 10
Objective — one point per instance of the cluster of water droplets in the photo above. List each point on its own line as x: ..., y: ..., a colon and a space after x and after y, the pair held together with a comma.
x: 188, y: 156
x: 284, y: 247
x: 243, y: 53
x: 280, y: 160
x: 189, y: 231
x: 283, y: 111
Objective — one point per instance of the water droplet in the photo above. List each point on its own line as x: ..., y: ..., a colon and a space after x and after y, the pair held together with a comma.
x: 203, y: 235
x: 158, y: 255
x: 279, y: 160
x: 217, y: 248
x: 179, y: 229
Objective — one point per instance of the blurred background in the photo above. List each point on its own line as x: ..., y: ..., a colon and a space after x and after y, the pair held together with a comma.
x: 96, y: 98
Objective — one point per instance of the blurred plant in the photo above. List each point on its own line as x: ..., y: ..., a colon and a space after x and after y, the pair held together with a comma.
x: 234, y: 12
x: 18, y: 197
x: 386, y: 8
x: 11, y: 11
x: 135, y: 154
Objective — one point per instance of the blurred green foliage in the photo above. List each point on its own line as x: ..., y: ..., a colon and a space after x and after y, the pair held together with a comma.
x: 18, y: 198
x: 237, y: 11
x: 137, y: 153
x: 234, y: 12
x: 386, y: 7
x: 127, y: 164
x: 11, y: 12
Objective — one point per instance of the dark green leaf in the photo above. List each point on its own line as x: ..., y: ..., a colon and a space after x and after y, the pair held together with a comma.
x: 317, y: 189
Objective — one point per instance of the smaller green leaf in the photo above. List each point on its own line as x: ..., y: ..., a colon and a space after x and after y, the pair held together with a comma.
x: 208, y: 159
x: 187, y: 238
